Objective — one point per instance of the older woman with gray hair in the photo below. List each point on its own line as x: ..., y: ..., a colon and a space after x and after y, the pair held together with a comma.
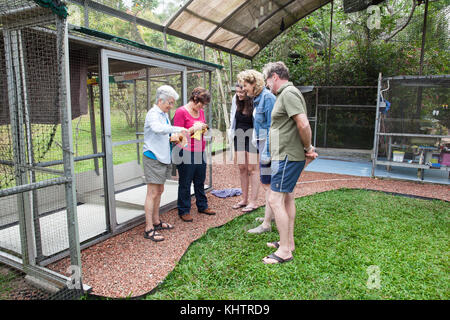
x: 158, y: 132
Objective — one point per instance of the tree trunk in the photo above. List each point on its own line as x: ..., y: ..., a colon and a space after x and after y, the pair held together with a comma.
x: 222, y: 94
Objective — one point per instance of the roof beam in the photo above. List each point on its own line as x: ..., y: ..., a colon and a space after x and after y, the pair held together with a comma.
x: 325, y: 2
x: 245, y: 3
x: 195, y: 14
x: 209, y: 44
x: 284, y: 8
x: 145, y: 23
x: 177, y: 14
x: 262, y: 22
x: 165, y: 29
x: 208, y: 20
x: 118, y: 14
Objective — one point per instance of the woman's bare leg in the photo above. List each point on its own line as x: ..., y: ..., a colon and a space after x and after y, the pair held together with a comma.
x: 254, y: 182
x: 243, y: 175
x: 151, y: 202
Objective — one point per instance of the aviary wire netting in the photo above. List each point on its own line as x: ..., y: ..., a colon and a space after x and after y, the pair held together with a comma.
x: 414, y: 106
x: 32, y: 98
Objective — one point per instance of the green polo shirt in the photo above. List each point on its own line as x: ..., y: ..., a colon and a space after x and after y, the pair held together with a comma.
x: 283, y: 128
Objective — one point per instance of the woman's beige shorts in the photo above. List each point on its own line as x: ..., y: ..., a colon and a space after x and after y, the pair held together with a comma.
x: 156, y: 172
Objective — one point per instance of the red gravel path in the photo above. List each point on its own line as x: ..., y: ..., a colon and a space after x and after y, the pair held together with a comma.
x: 129, y: 265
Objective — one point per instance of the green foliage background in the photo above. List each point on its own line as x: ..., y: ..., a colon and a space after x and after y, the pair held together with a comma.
x: 357, y: 54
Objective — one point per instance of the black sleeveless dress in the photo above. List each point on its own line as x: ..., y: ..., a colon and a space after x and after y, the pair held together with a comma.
x: 242, y: 138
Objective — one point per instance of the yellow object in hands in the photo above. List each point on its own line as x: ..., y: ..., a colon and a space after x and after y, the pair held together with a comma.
x: 198, y: 134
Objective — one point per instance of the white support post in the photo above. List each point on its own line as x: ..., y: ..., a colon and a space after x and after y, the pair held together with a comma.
x: 377, y: 127
x: 185, y: 93
x: 109, y: 166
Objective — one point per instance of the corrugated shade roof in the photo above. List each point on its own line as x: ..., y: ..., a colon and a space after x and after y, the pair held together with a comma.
x: 242, y: 27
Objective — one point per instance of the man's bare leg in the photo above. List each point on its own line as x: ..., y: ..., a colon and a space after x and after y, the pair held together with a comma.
x: 277, y: 203
x: 289, y: 201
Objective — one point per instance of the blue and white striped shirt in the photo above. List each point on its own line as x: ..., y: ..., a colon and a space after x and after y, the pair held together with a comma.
x: 157, y: 129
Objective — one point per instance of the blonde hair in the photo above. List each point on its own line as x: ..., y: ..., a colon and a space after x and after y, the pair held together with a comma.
x: 254, y: 78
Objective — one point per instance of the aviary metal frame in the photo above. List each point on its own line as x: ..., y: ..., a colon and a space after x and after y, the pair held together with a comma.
x: 27, y: 257
x: 105, y: 56
x: 107, y: 50
x: 428, y: 81
x: 25, y: 14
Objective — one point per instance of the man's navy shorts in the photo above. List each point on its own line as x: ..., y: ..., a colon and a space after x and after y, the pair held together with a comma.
x: 285, y: 174
x: 265, y: 172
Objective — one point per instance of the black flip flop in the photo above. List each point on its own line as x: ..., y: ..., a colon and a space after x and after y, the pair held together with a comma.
x: 277, y: 258
x: 151, y: 236
x: 161, y: 227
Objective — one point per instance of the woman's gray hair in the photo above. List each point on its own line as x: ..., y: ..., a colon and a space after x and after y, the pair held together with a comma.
x: 276, y: 67
x: 165, y: 92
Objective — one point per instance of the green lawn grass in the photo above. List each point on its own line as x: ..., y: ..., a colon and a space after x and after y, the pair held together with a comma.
x: 339, y: 235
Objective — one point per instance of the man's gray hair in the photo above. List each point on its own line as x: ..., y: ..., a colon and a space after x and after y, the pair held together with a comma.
x: 276, y: 67
x: 165, y: 92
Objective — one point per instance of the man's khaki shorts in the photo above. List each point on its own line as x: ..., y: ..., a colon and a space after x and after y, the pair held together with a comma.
x: 156, y: 172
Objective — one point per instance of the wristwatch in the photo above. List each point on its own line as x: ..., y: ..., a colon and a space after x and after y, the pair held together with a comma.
x: 309, y: 148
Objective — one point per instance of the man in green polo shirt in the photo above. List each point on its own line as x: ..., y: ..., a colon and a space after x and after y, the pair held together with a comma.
x: 290, y: 144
